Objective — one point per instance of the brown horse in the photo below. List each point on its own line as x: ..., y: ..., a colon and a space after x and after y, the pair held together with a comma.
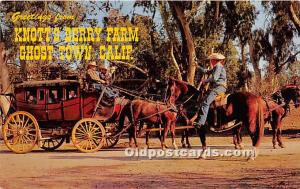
x: 275, y: 110
x: 247, y: 108
x: 149, y: 112
x: 242, y: 107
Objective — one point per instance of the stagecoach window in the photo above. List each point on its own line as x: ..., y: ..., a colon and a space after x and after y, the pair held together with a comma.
x: 42, y: 95
x: 55, y: 95
x: 30, y: 96
x: 71, y: 93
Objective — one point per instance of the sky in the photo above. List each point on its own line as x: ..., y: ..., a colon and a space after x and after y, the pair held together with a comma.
x: 126, y: 8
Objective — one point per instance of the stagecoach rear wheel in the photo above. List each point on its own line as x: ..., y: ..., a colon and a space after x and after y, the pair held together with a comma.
x: 52, y: 143
x: 111, y: 129
x: 88, y: 135
x: 20, y: 132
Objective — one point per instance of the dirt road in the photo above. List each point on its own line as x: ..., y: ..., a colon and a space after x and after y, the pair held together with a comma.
x: 67, y: 168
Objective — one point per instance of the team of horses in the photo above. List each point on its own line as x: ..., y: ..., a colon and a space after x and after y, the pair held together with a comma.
x: 182, y: 102
x: 181, y: 105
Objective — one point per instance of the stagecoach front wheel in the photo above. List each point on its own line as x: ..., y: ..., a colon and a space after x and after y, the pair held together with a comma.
x: 20, y: 132
x: 88, y: 135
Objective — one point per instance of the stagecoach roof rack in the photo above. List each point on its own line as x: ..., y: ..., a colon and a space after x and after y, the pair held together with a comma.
x: 46, y: 83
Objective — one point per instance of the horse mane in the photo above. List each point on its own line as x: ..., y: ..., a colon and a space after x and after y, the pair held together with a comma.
x: 185, y: 87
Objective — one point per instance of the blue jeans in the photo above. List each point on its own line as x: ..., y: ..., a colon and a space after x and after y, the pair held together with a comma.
x: 211, y: 96
x: 111, y: 93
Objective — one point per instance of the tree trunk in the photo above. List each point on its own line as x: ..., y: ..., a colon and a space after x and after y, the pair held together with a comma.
x: 254, y: 61
x: 217, y: 12
x: 246, y: 87
x: 175, y: 64
x: 6, y: 87
x: 180, y: 16
x: 171, y: 37
x: 294, y: 16
x: 23, y: 69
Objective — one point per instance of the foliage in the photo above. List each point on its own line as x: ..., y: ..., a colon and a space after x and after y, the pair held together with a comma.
x: 172, y: 33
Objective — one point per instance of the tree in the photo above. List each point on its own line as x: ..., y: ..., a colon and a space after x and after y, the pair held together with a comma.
x: 179, y: 14
x: 6, y: 88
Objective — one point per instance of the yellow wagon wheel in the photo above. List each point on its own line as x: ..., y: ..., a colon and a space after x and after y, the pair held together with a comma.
x: 20, y: 132
x: 88, y: 135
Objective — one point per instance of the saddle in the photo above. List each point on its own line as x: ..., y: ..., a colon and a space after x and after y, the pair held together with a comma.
x: 217, y: 109
x: 220, y: 100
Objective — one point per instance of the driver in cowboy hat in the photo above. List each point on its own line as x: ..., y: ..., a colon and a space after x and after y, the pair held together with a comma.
x: 217, y: 82
x: 94, y: 75
x: 101, y: 78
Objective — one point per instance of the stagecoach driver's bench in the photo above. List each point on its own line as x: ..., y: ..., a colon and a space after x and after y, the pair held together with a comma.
x: 217, y: 81
x: 100, y: 80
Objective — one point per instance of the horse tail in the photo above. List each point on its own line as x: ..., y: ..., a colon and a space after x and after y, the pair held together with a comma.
x: 260, y: 121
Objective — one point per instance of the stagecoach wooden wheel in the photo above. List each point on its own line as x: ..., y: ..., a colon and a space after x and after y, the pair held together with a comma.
x: 20, y: 132
x: 111, y: 129
x: 52, y: 143
x: 88, y: 135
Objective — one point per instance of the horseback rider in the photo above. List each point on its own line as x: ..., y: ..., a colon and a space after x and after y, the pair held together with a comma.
x: 217, y: 81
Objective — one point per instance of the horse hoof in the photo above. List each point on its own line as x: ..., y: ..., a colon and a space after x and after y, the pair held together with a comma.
x: 189, y: 146
x: 236, y: 147
x: 241, y: 146
x: 282, y: 146
x: 204, y: 147
x: 183, y: 146
x: 274, y: 146
x: 175, y: 147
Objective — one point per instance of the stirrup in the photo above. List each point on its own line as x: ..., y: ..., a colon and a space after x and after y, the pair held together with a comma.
x: 197, y: 125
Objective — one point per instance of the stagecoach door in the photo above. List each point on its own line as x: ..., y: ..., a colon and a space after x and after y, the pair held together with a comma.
x: 71, y: 106
x: 54, y: 103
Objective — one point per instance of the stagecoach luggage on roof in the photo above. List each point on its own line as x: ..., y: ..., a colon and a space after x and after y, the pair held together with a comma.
x: 51, y: 111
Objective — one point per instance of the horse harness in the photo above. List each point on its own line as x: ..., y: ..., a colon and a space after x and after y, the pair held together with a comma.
x: 270, y: 110
x: 158, y: 113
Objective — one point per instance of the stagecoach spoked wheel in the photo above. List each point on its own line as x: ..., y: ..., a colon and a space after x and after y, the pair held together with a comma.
x: 20, y: 132
x: 52, y: 143
x: 111, y: 129
x: 88, y: 135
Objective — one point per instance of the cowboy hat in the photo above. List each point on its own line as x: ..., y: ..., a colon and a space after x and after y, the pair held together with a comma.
x: 93, y: 63
x: 216, y: 56
x: 102, y: 67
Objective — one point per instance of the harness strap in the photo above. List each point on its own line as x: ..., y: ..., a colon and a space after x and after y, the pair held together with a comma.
x: 163, y: 111
x: 159, y: 115
x: 7, y: 94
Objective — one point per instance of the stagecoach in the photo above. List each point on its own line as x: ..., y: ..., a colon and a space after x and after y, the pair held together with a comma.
x: 49, y: 112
